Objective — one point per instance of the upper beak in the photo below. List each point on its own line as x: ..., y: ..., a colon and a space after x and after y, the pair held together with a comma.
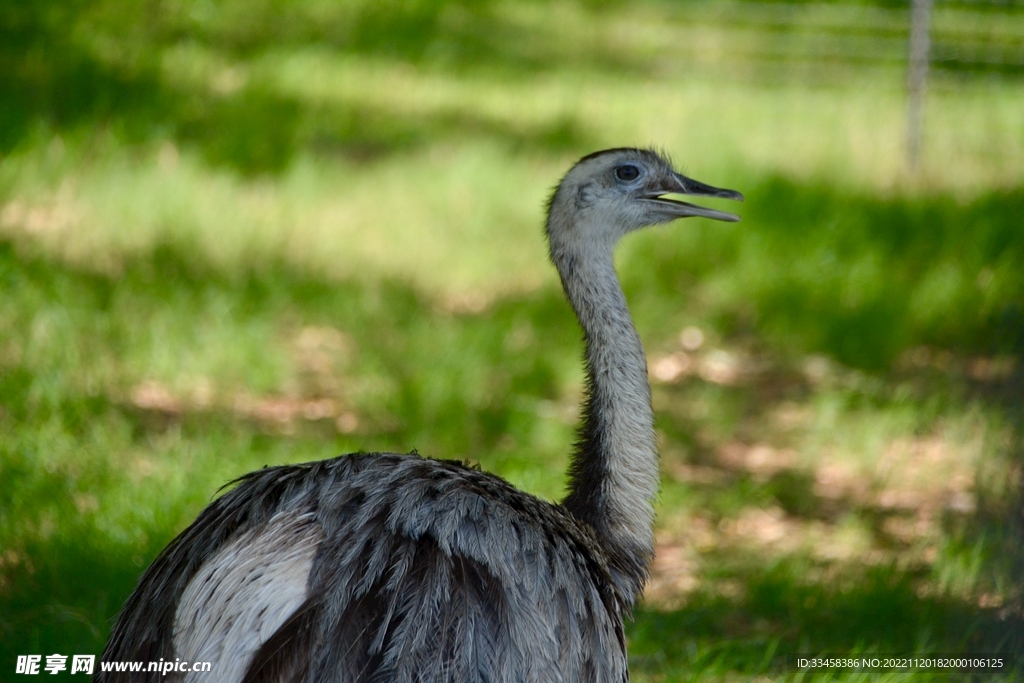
x: 680, y: 184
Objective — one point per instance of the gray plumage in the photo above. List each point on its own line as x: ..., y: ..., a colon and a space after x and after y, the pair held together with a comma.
x: 384, y: 567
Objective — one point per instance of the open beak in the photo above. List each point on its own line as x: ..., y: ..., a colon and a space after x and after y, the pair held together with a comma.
x: 680, y: 184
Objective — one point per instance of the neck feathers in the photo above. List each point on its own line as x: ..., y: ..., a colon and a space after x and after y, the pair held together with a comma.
x: 613, y: 478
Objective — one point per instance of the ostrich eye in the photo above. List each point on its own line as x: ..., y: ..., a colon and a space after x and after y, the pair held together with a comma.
x: 627, y: 172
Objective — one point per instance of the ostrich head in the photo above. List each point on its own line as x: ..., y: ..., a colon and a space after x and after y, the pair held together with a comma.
x: 608, y: 194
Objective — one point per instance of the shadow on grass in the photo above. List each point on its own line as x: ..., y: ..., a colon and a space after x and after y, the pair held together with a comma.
x: 50, y: 76
x: 258, y: 131
x: 750, y: 612
x: 46, y: 75
x: 62, y: 595
x: 776, y: 611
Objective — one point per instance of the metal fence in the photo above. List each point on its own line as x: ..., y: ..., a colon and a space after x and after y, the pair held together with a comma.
x: 968, y: 37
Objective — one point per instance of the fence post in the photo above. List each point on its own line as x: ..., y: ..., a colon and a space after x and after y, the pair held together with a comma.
x: 920, y: 19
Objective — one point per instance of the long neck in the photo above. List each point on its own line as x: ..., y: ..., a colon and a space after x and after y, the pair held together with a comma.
x: 613, y: 477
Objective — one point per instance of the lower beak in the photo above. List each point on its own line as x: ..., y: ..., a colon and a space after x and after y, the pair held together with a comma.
x: 680, y: 184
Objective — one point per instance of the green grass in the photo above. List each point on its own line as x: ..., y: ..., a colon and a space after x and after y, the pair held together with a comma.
x: 254, y: 233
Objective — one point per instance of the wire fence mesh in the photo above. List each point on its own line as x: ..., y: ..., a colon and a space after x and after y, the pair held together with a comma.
x: 969, y: 39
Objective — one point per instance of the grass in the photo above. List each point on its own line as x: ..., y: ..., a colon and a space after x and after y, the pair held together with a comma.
x: 274, y: 232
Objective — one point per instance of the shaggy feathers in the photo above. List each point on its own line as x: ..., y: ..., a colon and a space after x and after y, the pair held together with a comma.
x: 426, y: 571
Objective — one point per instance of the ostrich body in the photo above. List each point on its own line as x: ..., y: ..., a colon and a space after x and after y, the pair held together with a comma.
x: 384, y: 567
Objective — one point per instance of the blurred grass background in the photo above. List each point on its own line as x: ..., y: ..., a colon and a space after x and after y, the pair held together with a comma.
x: 245, y: 233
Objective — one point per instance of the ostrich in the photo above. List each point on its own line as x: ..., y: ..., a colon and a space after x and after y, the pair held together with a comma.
x: 399, y: 568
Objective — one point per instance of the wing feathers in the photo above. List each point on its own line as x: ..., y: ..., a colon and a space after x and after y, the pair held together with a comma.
x: 244, y: 593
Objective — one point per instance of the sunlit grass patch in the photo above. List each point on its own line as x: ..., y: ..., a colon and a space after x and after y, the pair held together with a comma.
x: 444, y: 220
